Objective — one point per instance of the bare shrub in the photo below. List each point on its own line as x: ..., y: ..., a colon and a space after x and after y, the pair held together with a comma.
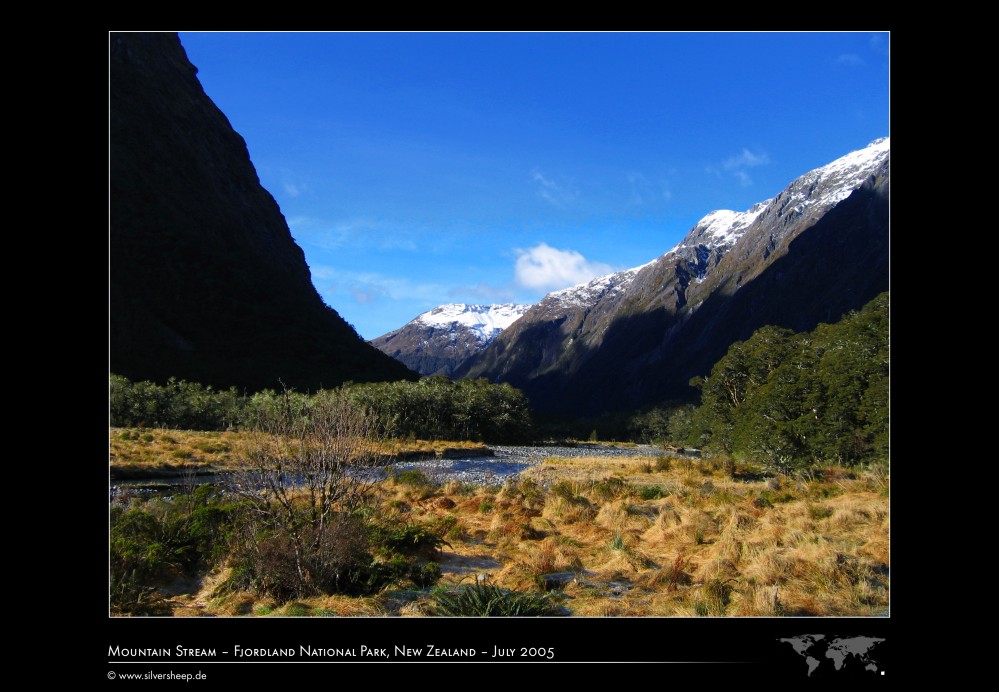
x: 304, y: 472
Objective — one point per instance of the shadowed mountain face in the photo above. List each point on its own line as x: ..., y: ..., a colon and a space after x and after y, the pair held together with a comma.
x: 635, y: 338
x: 206, y: 282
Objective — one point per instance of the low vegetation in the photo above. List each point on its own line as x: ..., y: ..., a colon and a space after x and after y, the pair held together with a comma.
x: 580, y: 536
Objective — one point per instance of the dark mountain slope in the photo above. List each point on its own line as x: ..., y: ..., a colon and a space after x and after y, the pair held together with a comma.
x: 206, y: 282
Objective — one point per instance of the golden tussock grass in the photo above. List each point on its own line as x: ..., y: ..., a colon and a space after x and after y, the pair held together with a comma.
x: 700, y: 548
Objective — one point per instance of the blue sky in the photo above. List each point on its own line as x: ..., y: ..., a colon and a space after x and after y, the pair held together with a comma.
x: 416, y: 169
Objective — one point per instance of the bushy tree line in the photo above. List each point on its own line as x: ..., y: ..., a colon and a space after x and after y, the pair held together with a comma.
x: 433, y: 408
x: 793, y: 400
x: 178, y: 404
x: 437, y: 408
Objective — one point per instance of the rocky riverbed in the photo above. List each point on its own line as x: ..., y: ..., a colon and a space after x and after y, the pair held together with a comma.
x: 486, y: 466
x: 509, y: 461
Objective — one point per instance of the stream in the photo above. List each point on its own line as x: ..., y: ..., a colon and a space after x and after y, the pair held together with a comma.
x: 506, y: 462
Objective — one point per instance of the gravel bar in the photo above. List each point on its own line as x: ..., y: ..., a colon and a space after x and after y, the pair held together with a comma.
x: 511, y: 461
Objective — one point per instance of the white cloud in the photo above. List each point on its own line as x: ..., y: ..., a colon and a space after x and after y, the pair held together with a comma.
x: 546, y: 268
x: 292, y: 189
x: 743, y: 178
x: 850, y: 60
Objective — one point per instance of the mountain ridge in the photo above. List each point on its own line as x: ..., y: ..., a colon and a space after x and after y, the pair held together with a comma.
x: 657, y: 325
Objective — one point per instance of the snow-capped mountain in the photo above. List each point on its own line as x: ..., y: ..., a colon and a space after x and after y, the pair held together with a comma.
x: 817, y: 249
x: 815, y: 192
x: 484, y: 321
x: 438, y: 341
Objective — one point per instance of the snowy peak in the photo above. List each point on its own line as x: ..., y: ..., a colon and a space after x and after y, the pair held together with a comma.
x: 722, y: 227
x: 484, y: 321
x: 440, y: 340
x: 835, y: 182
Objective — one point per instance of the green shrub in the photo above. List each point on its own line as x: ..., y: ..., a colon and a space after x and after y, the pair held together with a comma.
x: 652, y: 492
x: 608, y: 488
x: 407, y: 539
x: 486, y: 600
x: 412, y: 478
x: 425, y: 574
x: 297, y: 610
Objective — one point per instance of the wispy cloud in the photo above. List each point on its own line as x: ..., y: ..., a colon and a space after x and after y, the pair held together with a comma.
x: 643, y: 191
x: 482, y: 292
x: 640, y: 189
x: 364, y: 295
x: 559, y: 194
x: 353, y: 233
x: 879, y: 43
x: 737, y: 164
x: 366, y: 288
x: 850, y: 60
x: 746, y: 159
x: 546, y: 268
x: 292, y: 190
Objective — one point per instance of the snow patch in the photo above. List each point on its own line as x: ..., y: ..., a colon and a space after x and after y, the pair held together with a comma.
x: 484, y: 321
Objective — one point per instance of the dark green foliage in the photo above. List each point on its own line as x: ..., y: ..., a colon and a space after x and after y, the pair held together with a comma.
x: 412, y: 478
x: 663, y: 425
x: 297, y: 610
x: 178, y: 404
x: 151, y: 543
x: 796, y: 400
x: 487, y: 600
x: 435, y: 408
x: 353, y: 558
x: 407, y: 539
x: 652, y: 492
x: 608, y: 488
